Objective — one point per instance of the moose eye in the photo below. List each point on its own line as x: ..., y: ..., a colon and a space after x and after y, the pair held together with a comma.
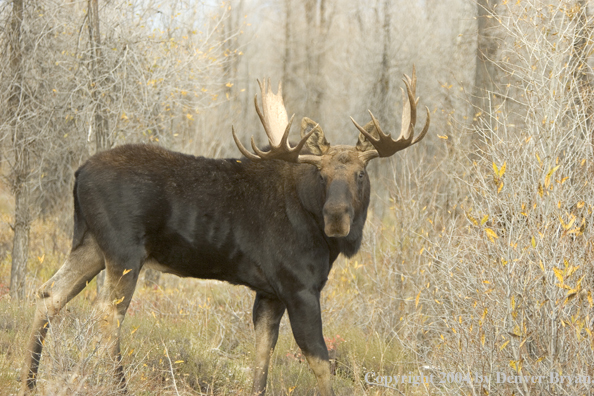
x: 322, y: 180
x: 361, y: 174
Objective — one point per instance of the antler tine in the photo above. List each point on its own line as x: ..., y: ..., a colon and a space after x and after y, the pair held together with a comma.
x: 371, y: 139
x: 280, y: 148
x: 273, y: 114
x: 409, y: 111
x: 241, y: 148
x: 280, y: 151
x: 260, y: 112
x: 384, y: 145
x: 425, y: 128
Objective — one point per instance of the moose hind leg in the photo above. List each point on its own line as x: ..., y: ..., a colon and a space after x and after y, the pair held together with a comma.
x: 81, y: 266
x: 306, y: 322
x: 120, y: 283
x: 267, y: 316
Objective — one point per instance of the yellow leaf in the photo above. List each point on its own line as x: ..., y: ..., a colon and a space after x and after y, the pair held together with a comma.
x: 178, y: 361
x: 533, y: 242
x: 189, y: 116
x: 483, y: 339
x: 553, y: 171
x: 495, y: 169
x: 491, y: 234
x: 472, y: 219
x: 484, y: 219
x: 548, y: 176
x: 558, y: 274
x: 502, y: 170
x: 417, y: 299
x: 117, y: 302
x: 568, y: 226
x: 500, y: 187
x: 504, y: 345
x: 126, y: 271
x: 124, y: 116
x: 445, y: 137
x: 540, y: 189
x: 229, y: 85
x: 131, y: 352
x: 517, y: 331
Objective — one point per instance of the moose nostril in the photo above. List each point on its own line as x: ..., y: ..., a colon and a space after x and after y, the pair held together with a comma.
x: 337, y: 210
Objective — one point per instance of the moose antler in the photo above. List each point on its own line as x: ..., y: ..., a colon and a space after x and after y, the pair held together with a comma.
x: 384, y: 145
x: 273, y: 116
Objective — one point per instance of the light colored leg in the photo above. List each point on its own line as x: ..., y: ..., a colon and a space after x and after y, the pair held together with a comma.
x: 81, y: 266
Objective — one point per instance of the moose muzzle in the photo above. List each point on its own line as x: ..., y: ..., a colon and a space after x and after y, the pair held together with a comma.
x: 338, y: 210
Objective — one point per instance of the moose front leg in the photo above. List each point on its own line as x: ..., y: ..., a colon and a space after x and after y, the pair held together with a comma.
x: 306, y: 322
x: 267, y: 316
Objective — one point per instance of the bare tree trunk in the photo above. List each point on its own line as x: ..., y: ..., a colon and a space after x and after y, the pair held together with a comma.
x: 101, y: 126
x: 578, y: 62
x: 383, y: 106
x: 287, y: 55
x: 310, y: 67
x: 100, y: 121
x: 485, y: 75
x: 317, y: 22
x: 22, y: 219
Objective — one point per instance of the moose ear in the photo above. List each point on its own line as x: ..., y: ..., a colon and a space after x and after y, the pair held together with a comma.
x: 363, y: 144
x: 317, y: 143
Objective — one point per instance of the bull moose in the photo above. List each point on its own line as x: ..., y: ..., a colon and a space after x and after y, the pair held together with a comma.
x: 274, y: 221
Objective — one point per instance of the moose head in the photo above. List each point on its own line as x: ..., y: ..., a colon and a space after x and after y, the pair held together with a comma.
x: 342, y: 169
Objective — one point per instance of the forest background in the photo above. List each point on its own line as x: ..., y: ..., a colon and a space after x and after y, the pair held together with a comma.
x: 477, y: 255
